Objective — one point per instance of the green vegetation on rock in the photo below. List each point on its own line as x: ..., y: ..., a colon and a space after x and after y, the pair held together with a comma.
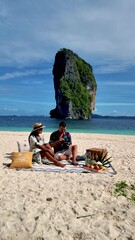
x: 85, y: 72
x: 77, y: 87
x: 78, y: 95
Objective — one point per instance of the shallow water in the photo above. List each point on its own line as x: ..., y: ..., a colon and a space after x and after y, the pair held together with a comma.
x: 102, y: 125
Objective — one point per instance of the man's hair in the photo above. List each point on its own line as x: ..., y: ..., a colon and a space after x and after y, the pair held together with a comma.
x: 63, y: 124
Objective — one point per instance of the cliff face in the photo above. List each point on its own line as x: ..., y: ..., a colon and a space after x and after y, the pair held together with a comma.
x: 75, y: 86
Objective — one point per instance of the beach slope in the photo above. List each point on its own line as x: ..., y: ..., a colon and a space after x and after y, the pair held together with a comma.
x: 68, y: 206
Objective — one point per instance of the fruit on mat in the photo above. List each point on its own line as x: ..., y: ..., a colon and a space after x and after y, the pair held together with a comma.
x: 104, y: 168
x: 99, y: 163
x: 96, y: 167
x: 88, y: 165
x: 92, y: 166
x: 101, y: 160
x: 92, y: 161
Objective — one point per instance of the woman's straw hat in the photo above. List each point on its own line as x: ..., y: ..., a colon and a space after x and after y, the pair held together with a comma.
x: 37, y: 126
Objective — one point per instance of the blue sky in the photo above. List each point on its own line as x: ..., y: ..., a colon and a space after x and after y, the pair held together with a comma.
x: 101, y: 32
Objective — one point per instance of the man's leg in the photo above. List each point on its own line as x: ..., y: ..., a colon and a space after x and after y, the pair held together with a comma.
x: 66, y: 155
x: 71, y: 152
x: 63, y: 157
x: 74, y: 154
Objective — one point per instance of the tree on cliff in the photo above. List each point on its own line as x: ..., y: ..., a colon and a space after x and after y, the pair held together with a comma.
x: 75, y: 86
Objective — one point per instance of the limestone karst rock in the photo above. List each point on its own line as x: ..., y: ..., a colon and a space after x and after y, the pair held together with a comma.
x: 75, y: 86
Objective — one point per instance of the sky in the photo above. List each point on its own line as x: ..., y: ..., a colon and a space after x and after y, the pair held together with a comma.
x: 32, y: 32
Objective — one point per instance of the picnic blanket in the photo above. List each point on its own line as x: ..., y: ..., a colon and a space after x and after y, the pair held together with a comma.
x: 49, y: 167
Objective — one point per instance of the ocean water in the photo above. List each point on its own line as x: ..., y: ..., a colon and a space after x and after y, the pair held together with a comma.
x: 97, y: 124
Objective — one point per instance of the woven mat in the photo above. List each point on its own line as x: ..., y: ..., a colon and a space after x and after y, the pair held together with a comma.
x: 49, y: 167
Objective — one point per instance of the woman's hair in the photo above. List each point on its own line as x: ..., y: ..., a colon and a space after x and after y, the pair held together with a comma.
x: 34, y: 133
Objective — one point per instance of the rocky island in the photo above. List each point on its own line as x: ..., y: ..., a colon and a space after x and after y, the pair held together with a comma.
x: 75, y: 86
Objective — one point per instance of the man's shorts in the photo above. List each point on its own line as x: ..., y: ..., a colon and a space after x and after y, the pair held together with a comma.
x: 63, y: 152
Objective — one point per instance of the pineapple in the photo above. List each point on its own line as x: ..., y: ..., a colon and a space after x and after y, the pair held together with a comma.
x: 102, y: 158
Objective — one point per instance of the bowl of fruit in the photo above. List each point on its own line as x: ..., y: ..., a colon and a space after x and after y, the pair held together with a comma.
x: 100, y: 164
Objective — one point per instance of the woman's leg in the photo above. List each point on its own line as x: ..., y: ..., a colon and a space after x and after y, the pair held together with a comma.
x: 49, y: 149
x: 51, y: 158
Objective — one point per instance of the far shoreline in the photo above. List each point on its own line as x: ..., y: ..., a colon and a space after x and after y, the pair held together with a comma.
x: 72, y: 133
x: 77, y: 131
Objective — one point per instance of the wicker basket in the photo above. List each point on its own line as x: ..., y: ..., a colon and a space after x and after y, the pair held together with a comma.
x: 93, y: 153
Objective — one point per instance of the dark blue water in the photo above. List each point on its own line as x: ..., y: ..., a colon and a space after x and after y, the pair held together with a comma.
x: 97, y: 124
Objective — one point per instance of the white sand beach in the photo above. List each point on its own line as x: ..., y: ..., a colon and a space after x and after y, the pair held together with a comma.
x: 67, y: 206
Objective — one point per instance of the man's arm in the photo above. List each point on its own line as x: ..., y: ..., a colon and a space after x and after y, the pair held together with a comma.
x: 68, y: 138
x: 54, y: 141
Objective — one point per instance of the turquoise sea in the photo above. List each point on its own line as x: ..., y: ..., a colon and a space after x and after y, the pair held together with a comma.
x: 97, y: 124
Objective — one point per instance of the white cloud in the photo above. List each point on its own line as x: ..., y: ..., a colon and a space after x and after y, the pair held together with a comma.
x: 98, y: 31
x: 115, y: 104
x: 115, y: 111
x: 112, y: 66
x: 120, y: 83
x: 10, y: 109
x: 26, y: 73
x: 31, y: 102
